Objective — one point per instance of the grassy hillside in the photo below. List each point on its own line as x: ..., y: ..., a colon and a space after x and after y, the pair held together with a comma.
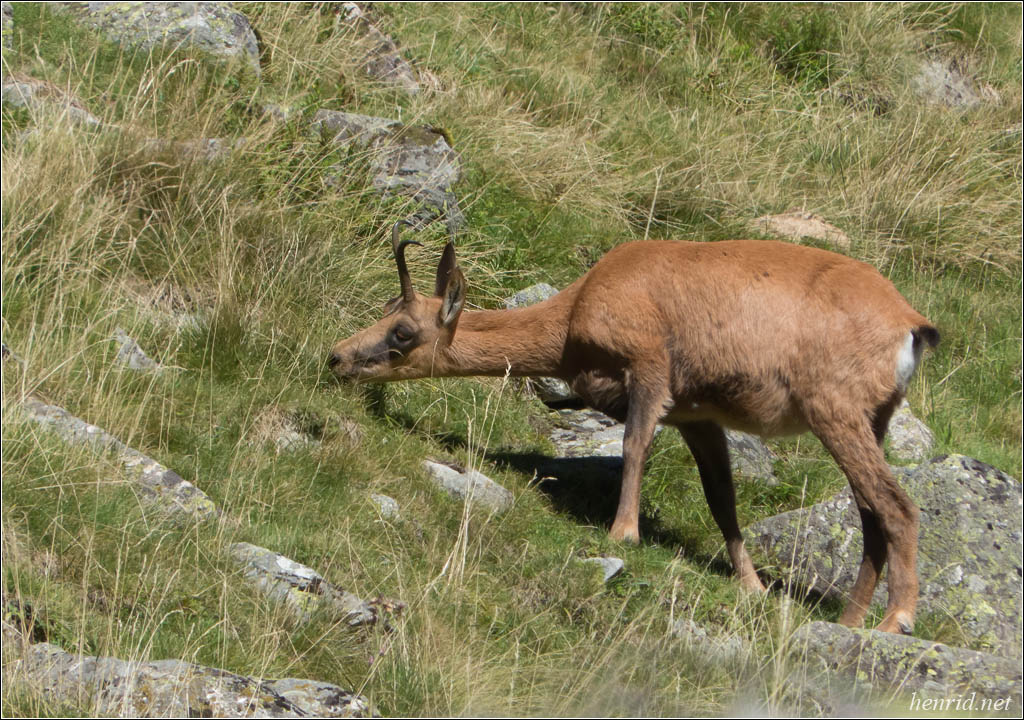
x: 579, y: 127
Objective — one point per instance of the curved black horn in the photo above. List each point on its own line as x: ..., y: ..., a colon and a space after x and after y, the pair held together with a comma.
x: 403, y: 271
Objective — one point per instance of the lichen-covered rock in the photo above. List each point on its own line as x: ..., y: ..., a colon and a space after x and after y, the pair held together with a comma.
x: 300, y: 587
x: 41, y: 96
x: 876, y: 663
x: 130, y: 354
x: 8, y: 24
x: 386, y: 506
x: 908, y: 438
x: 409, y: 160
x: 382, y: 62
x: 749, y: 457
x: 585, y: 433
x: 213, y: 28
x: 161, y: 487
x: 969, y: 548
x: 173, y: 688
x: 470, y: 484
x: 548, y: 389
x: 610, y: 566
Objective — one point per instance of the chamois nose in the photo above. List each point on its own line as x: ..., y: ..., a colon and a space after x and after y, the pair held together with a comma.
x: 332, y: 360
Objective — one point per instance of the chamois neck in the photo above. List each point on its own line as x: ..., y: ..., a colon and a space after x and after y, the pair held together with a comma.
x: 521, y: 342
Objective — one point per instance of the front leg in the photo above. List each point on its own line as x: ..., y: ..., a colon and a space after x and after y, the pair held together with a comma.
x: 646, y: 407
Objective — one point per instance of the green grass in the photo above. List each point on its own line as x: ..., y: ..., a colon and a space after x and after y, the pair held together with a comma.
x: 579, y: 128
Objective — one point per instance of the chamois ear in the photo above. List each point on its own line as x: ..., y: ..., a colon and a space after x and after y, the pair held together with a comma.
x: 454, y: 297
x: 444, y: 269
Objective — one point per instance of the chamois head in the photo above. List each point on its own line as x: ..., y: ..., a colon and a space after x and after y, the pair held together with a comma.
x: 405, y: 343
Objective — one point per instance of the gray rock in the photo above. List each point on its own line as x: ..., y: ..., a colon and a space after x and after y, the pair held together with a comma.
x: 588, y: 433
x: 213, y: 28
x: 386, y: 506
x: 877, y: 663
x: 942, y: 83
x: 750, y: 458
x: 129, y: 353
x: 548, y: 389
x: 173, y: 688
x: 40, y: 96
x: 409, y: 160
x: 908, y: 438
x: 300, y: 587
x: 610, y: 566
x: 530, y: 296
x: 470, y: 484
x: 969, y: 554
x: 383, y: 62
x: 8, y: 24
x: 161, y: 487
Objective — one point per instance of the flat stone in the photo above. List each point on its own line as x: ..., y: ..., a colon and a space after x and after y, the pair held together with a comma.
x: 942, y: 83
x: 159, y: 486
x: 299, y: 586
x: 470, y: 484
x: 969, y: 548
x: 610, y: 566
x: 798, y: 224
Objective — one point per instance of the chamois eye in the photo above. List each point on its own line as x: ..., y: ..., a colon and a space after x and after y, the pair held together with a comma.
x: 402, y: 334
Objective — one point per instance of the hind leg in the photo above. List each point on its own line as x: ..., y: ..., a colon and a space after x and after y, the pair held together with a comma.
x: 706, y: 441
x: 889, y: 520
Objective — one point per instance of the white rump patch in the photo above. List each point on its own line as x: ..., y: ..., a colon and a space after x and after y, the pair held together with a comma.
x: 906, y: 361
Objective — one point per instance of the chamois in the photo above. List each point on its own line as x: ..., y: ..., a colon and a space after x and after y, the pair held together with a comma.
x: 762, y: 336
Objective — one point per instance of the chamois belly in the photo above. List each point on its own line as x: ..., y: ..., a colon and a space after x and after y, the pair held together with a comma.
x: 759, y: 408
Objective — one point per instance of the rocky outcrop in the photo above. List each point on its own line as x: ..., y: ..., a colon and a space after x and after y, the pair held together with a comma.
x: 213, y: 28
x: 172, y: 688
x: 839, y: 659
x: 409, y: 160
x: 908, y: 438
x: 40, y: 96
x: 159, y: 486
x: 470, y: 485
x: 969, y: 554
x: 300, y: 587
